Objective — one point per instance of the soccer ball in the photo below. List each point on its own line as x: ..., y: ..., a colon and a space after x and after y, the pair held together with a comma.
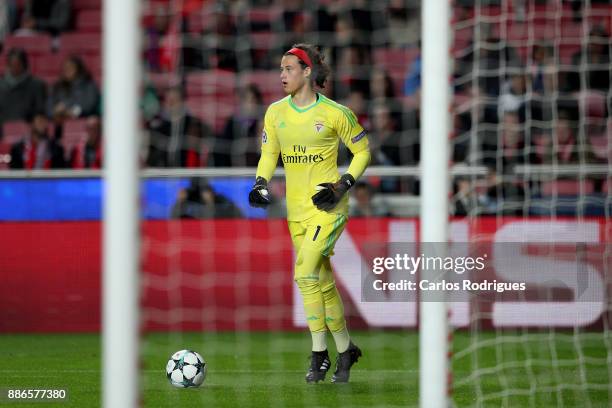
x: 186, y: 369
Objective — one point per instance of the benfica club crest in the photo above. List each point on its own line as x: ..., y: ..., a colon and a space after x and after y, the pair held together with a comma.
x: 318, y: 126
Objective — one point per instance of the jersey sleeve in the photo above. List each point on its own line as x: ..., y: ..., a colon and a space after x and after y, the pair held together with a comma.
x: 353, y: 135
x: 269, y: 139
x: 270, y: 148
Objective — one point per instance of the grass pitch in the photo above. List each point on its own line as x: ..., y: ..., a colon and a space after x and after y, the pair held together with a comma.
x: 267, y: 370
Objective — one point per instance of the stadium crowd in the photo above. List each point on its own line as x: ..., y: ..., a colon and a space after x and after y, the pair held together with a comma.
x: 531, y: 85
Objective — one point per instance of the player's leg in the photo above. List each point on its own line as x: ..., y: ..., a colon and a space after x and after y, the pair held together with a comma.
x: 348, y: 353
x: 306, y: 269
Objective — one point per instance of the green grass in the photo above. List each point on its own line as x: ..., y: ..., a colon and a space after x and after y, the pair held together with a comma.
x: 267, y: 370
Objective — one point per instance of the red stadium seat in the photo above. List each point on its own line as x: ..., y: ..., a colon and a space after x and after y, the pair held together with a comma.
x: 392, y: 58
x: 32, y: 44
x: 81, y: 43
x: 201, y: 21
x: 162, y: 81
x: 47, y: 65
x: 263, y: 15
x: 209, y: 110
x: 214, y: 82
x: 75, y: 131
x: 594, y: 103
x: 268, y: 83
x: 567, y: 188
x: 89, y: 21
x: 86, y: 4
x: 93, y: 64
x: 14, y: 131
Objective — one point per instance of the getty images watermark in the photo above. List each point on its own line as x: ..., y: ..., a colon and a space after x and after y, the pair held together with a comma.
x: 458, y: 272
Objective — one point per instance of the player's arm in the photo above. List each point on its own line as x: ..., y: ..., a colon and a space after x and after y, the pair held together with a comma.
x: 355, y: 138
x: 270, y: 148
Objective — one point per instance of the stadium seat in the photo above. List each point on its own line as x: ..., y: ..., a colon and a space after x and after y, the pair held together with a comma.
x: 214, y: 82
x: 32, y: 44
x: 210, y: 111
x: 93, y: 64
x: 13, y: 131
x: 86, y: 4
x: 201, y: 21
x: 594, y: 103
x: 75, y: 131
x: 394, y: 58
x: 163, y: 80
x: 89, y: 21
x: 567, y: 188
x: 81, y: 43
x: 47, y: 65
x: 268, y: 83
x: 263, y: 16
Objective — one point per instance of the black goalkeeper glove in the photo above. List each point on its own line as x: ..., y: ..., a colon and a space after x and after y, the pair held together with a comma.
x: 259, y: 196
x: 330, y: 194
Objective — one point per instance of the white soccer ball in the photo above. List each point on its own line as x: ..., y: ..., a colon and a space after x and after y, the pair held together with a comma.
x: 186, y: 369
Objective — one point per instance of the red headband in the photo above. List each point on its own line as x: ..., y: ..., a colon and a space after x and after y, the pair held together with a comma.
x: 302, y: 55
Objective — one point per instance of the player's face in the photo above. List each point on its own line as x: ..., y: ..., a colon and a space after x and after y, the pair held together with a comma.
x: 292, y: 75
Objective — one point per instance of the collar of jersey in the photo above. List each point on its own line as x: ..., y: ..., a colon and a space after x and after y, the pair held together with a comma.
x: 302, y: 110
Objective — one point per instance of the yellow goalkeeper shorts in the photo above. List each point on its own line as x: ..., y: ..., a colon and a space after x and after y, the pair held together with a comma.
x: 318, y: 233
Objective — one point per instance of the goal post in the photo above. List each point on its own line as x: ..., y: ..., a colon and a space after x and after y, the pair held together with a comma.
x: 433, y: 364
x: 121, y: 210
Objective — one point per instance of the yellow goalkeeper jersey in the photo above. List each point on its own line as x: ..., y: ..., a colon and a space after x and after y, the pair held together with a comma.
x: 307, y: 140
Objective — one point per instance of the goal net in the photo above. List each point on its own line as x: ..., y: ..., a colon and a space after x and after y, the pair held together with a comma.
x: 532, y: 103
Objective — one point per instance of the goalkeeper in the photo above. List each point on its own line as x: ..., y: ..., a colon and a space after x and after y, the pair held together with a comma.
x: 305, y: 128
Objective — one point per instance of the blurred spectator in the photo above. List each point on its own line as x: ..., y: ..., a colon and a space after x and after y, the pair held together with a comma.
x: 465, y: 200
x: 561, y: 147
x: 352, y: 70
x: 75, y: 94
x: 509, y: 148
x: 175, y: 136
x: 502, y: 197
x: 238, y: 145
x: 220, y: 38
x: 382, y: 91
x: 412, y: 85
x: 87, y: 154
x: 381, y: 85
x: 52, y: 16
x: 356, y: 102
x: 158, y: 57
x: 593, y: 60
x: 199, y: 201
x: 21, y: 94
x: 8, y: 19
x: 543, y: 69
x: 404, y: 23
x: 38, y: 150
x: 513, y: 95
x: 390, y: 146
x: 365, y: 204
x: 494, y: 55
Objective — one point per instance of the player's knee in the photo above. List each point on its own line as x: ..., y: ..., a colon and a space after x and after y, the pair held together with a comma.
x: 328, y: 286
x: 308, y: 284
